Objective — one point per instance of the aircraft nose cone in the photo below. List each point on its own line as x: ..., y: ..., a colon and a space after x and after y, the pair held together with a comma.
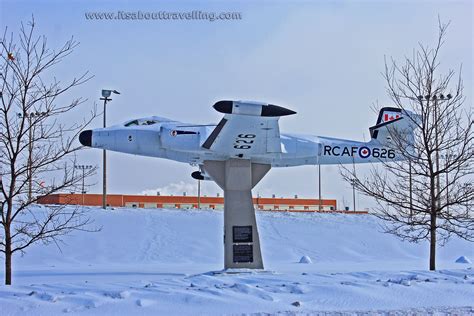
x: 85, y: 138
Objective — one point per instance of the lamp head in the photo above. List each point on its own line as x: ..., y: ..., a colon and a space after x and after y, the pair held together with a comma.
x: 106, y: 93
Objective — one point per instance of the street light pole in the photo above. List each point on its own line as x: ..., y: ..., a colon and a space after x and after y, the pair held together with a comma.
x: 199, y: 194
x: 30, y: 158
x: 29, y: 117
x: 319, y: 186
x: 83, y: 168
x: 105, y: 97
x: 353, y: 194
x: 353, y: 184
x: 411, y: 189
x: 447, y: 184
x: 104, y: 165
x: 83, y: 190
x: 437, y: 150
x: 435, y: 122
x: 447, y: 158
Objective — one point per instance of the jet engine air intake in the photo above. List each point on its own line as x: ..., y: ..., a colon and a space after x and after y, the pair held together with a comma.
x: 198, y: 175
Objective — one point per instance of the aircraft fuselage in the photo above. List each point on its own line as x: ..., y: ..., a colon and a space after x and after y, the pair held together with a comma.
x: 168, y: 139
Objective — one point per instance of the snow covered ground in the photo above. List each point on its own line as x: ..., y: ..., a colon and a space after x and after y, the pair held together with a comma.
x: 164, y: 262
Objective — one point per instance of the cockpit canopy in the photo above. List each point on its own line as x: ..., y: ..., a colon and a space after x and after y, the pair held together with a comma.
x: 145, y: 121
x: 140, y: 122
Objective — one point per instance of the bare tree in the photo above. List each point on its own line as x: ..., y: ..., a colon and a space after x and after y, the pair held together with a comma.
x: 36, y: 148
x: 428, y: 194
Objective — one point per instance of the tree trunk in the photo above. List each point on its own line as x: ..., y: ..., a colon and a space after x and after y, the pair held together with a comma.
x: 8, y: 257
x: 433, y: 243
x: 434, y: 205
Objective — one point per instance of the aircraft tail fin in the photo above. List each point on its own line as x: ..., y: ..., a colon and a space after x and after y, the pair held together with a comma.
x: 394, y: 123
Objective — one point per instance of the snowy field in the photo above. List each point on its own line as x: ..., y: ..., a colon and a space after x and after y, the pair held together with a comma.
x: 163, y: 262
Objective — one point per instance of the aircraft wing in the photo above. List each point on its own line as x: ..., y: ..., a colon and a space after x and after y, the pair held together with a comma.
x: 247, y: 128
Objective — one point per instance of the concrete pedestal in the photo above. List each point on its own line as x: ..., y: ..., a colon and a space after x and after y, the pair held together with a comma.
x: 237, y: 177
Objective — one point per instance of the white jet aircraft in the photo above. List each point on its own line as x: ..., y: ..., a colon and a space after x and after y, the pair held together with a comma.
x: 248, y: 130
x: 238, y: 152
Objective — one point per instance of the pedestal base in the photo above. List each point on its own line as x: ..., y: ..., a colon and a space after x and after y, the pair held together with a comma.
x: 237, y: 177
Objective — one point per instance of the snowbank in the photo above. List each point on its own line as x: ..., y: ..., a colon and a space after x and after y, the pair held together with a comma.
x: 146, y: 261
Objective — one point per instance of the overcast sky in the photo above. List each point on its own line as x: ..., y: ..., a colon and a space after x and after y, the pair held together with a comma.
x: 323, y: 60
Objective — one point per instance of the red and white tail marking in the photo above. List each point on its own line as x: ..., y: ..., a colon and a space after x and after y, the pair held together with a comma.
x: 390, y: 116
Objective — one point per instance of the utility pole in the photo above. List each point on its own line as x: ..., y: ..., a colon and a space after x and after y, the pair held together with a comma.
x: 105, y: 97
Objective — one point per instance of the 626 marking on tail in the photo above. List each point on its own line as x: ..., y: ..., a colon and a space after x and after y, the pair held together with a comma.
x: 244, y: 141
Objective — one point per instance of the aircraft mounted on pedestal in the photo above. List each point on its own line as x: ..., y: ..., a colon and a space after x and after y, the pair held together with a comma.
x: 237, y: 153
x: 248, y: 130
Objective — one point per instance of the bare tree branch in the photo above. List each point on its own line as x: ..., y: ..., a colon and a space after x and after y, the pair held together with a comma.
x: 35, y: 142
x: 438, y: 164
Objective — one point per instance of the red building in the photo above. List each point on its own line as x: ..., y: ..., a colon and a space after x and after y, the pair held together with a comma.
x: 190, y: 202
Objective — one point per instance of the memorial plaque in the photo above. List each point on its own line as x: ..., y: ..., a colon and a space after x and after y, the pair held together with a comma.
x: 242, y: 234
x: 243, y: 253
